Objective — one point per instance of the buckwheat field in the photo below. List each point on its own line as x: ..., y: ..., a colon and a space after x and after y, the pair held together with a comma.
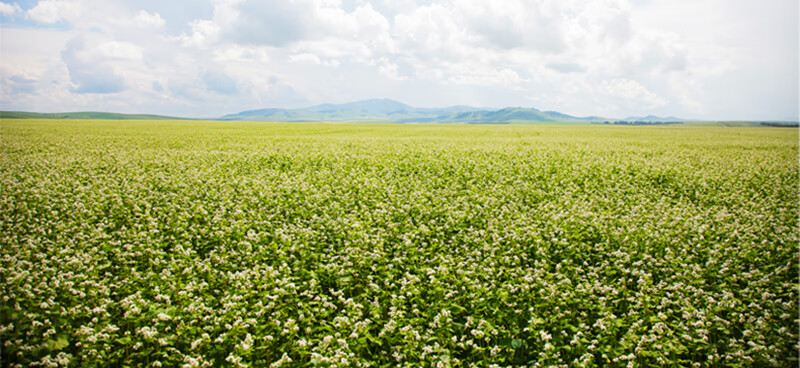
x: 217, y: 244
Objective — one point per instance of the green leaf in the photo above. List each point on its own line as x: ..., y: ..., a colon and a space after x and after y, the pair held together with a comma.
x: 58, y: 344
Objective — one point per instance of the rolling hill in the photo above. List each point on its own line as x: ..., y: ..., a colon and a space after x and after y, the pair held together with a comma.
x: 82, y: 115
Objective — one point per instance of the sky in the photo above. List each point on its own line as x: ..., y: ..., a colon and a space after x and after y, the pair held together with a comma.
x: 700, y: 59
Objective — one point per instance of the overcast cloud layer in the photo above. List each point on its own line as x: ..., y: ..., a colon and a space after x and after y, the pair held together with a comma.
x: 708, y: 59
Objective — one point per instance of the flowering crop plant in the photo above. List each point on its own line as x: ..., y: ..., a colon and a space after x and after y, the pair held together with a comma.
x: 247, y: 244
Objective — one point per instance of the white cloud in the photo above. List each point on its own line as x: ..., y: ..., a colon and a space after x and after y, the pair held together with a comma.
x: 32, y: 55
x: 120, y: 50
x: 428, y: 29
x: 87, y: 74
x: 630, y: 92
x: 566, y: 67
x: 236, y: 53
x: 218, y: 81
x: 687, y: 93
x: 305, y: 58
x: 484, y: 76
x: 512, y: 23
x: 52, y: 11
x: 304, y: 26
x: 620, y: 57
x: 364, y: 23
x: 335, y: 48
x: 145, y: 19
x: 9, y: 9
x: 273, y: 23
x: 17, y: 83
x: 390, y: 70
x: 312, y: 59
x: 203, y: 33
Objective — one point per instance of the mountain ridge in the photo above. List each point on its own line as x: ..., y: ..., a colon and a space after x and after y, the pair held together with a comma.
x: 371, y: 110
x: 398, y: 112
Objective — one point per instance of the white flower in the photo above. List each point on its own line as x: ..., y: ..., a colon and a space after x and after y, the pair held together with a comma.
x: 247, y: 343
x: 283, y: 360
x: 233, y: 359
x: 147, y: 331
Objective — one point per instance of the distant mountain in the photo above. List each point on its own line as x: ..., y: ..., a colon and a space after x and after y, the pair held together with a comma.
x: 82, y: 115
x: 378, y: 109
x: 512, y: 114
x: 375, y: 106
x: 375, y: 110
x: 397, y: 112
x: 654, y: 119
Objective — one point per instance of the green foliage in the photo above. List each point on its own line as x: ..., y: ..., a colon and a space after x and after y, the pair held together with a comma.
x: 206, y: 244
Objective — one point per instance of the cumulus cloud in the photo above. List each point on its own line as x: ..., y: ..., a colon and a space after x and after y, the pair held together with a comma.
x: 273, y: 23
x: 298, y: 25
x: 631, y: 92
x: 390, y: 70
x: 600, y: 57
x: 219, y: 82
x: 203, y: 33
x: 21, y: 83
x: 119, y: 50
x: 237, y: 53
x: 485, y: 76
x: 9, y: 9
x: 18, y: 83
x: 427, y: 29
x: 512, y: 23
x: 508, y: 42
x: 145, y: 19
x: 87, y: 75
x: 52, y: 11
x: 566, y: 67
x: 305, y: 58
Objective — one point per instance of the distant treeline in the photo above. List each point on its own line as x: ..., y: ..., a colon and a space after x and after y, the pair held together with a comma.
x: 639, y: 122
x: 781, y: 125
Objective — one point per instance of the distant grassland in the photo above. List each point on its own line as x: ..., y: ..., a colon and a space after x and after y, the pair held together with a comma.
x: 172, y: 243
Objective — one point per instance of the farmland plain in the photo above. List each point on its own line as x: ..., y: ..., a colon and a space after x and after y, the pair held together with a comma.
x: 174, y: 243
